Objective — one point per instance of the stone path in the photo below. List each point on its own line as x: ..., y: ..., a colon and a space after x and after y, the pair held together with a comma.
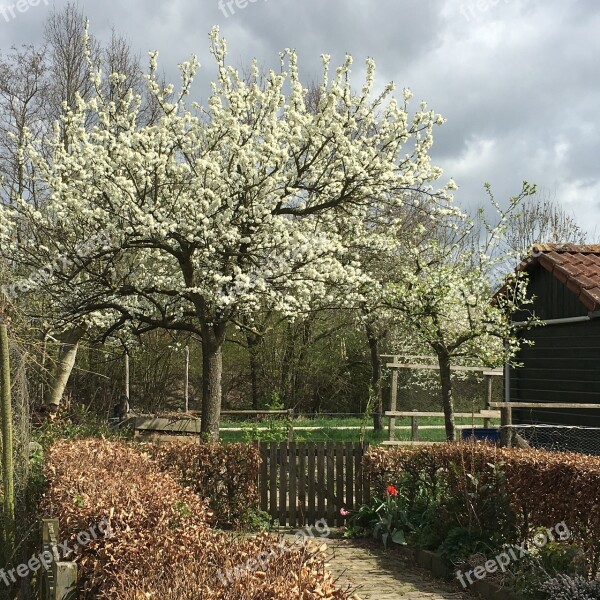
x: 385, y: 575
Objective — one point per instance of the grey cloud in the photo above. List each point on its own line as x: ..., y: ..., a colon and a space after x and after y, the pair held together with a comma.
x: 517, y: 80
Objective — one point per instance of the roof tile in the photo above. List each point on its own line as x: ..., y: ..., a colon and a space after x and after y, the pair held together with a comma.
x: 576, y: 266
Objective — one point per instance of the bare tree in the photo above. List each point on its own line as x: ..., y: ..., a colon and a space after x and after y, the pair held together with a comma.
x: 542, y: 219
x: 37, y: 84
x: 23, y: 85
x: 65, y: 36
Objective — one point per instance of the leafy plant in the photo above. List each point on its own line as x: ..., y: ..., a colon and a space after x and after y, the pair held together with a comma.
x: 565, y: 587
x: 254, y: 520
x: 384, y: 518
x: 275, y: 402
x: 529, y: 574
x: 462, y: 542
x: 270, y: 430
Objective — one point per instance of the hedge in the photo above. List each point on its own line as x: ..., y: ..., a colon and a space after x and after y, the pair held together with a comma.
x: 542, y: 488
x: 161, y: 545
x: 225, y: 474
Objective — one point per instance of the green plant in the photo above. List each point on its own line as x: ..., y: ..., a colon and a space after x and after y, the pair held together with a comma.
x: 564, y: 587
x: 384, y: 518
x: 275, y: 402
x: 528, y: 575
x: 431, y: 528
x: 254, y: 520
x: 270, y: 430
x: 462, y: 542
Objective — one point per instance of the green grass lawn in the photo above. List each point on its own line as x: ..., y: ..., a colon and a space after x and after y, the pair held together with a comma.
x: 324, y: 429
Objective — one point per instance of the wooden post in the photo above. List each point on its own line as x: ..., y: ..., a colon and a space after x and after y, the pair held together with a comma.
x: 486, y: 422
x: 506, y: 427
x: 65, y: 580
x: 64, y: 574
x: 414, y: 421
x: 187, y: 379
x: 7, y: 446
x: 506, y: 411
x: 393, y: 403
x: 127, y: 374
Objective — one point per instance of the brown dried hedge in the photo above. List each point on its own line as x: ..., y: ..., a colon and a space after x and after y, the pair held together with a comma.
x: 226, y: 475
x: 543, y: 488
x: 161, y: 545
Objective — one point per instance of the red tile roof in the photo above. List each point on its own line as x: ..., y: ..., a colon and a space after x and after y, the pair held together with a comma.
x: 578, y: 267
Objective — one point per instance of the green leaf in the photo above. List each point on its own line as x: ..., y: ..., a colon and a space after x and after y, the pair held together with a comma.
x: 398, y: 537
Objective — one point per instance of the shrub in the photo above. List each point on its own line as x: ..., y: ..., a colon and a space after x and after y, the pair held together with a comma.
x: 225, y: 474
x: 565, y: 587
x: 161, y: 545
x: 508, y: 491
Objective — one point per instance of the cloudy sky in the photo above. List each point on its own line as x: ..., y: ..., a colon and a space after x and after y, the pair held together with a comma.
x: 517, y: 80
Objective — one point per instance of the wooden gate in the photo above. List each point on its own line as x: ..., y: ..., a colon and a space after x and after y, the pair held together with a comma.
x: 303, y: 482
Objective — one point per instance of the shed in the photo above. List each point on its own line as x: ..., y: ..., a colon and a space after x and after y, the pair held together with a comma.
x: 563, y: 364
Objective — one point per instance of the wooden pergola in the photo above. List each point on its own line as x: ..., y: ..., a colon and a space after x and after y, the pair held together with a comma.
x: 412, y: 362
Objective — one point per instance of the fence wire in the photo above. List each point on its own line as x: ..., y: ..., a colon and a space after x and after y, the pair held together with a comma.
x: 558, y: 438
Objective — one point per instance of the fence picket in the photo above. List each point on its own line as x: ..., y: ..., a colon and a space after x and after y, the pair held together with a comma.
x: 283, y: 483
x: 292, y: 470
x: 312, y: 453
x: 300, y: 483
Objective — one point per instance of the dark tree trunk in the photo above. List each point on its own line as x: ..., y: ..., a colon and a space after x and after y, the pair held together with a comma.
x: 447, y: 399
x: 253, y: 342
x: 375, y: 376
x: 287, y: 366
x: 213, y: 338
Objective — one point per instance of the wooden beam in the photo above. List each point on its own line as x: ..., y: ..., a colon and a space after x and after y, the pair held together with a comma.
x: 183, y: 425
x: 545, y: 405
x: 483, y: 370
x: 257, y: 412
x: 397, y: 443
x: 487, y: 414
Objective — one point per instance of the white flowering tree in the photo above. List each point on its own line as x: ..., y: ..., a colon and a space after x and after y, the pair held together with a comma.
x: 447, y: 295
x: 253, y: 201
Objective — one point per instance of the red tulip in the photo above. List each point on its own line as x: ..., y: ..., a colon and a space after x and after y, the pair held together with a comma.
x: 392, y: 491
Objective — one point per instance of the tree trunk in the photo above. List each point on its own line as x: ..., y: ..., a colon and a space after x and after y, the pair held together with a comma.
x: 447, y: 399
x: 287, y: 366
x: 253, y: 342
x: 64, y: 366
x: 213, y: 338
x: 375, y: 376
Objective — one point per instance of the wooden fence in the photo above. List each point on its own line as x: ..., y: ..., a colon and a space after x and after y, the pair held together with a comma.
x: 59, y: 582
x: 415, y: 426
x: 300, y: 483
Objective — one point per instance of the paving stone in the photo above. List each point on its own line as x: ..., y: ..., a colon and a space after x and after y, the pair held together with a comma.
x: 385, y: 575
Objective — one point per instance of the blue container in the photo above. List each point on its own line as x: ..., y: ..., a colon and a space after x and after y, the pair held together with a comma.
x: 485, y: 434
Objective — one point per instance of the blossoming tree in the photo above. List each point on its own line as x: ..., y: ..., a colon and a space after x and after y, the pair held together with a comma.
x: 212, y: 212
x: 447, y: 295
